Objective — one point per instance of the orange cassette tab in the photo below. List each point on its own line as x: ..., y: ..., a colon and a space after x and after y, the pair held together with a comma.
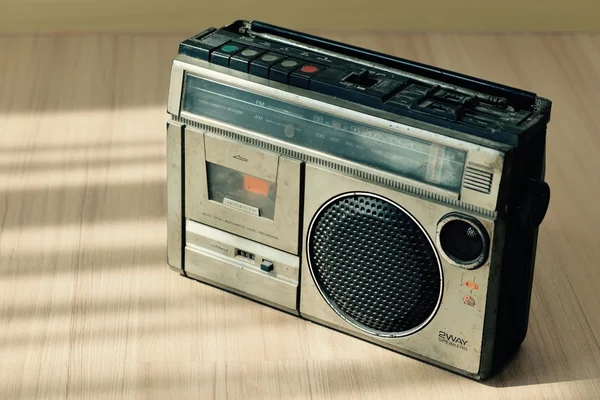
x: 256, y: 185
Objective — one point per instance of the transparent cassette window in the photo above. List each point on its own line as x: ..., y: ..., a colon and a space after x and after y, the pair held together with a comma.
x: 243, y: 192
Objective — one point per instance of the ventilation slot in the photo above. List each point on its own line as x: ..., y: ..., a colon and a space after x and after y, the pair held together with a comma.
x: 478, y: 180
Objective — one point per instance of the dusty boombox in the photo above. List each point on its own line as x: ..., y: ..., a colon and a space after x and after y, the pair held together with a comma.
x: 390, y: 200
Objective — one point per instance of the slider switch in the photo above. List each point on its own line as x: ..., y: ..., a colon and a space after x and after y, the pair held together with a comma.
x: 360, y: 87
x: 266, y: 266
x: 361, y: 79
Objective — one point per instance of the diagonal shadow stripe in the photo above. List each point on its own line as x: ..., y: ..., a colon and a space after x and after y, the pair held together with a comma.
x: 159, y: 321
x: 43, y: 264
x: 88, y: 307
x: 289, y: 379
x: 66, y: 72
x: 104, y: 162
x: 65, y: 147
x: 63, y: 205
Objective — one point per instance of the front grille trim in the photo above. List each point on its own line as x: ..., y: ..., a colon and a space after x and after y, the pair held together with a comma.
x: 334, y: 307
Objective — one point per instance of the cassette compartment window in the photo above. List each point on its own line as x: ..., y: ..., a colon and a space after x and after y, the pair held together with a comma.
x: 241, y: 191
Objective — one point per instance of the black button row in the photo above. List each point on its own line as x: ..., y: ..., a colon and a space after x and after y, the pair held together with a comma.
x: 358, y: 86
x: 262, y: 65
x: 242, y: 60
x: 258, y: 62
x: 222, y: 55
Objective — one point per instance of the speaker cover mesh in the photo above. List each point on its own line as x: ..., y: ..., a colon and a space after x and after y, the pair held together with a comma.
x: 374, y: 265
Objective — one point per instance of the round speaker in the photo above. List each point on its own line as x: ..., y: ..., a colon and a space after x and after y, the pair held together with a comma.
x: 374, y: 264
x: 463, y: 240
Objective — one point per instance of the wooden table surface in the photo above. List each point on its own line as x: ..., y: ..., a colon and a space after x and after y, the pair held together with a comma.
x: 89, y: 309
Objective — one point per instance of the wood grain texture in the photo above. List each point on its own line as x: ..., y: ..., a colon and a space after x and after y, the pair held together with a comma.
x: 344, y: 15
x: 89, y: 308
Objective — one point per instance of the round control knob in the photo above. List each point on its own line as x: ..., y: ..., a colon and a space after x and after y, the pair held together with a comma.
x: 463, y: 241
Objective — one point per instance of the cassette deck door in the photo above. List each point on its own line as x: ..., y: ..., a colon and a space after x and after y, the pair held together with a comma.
x: 243, y: 190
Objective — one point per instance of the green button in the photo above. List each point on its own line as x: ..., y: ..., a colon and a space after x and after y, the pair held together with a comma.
x: 229, y: 48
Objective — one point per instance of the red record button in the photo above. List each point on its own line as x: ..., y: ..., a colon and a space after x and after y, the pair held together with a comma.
x: 302, y: 76
x: 309, y: 69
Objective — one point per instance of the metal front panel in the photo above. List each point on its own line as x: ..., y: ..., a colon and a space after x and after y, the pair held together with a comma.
x: 281, y: 231
x: 212, y: 254
x: 454, y: 335
x: 174, y: 195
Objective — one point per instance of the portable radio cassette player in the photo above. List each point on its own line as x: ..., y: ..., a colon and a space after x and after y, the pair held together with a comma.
x: 390, y: 200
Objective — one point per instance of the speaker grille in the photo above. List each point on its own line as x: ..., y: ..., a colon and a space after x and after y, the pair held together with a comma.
x: 374, y: 264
